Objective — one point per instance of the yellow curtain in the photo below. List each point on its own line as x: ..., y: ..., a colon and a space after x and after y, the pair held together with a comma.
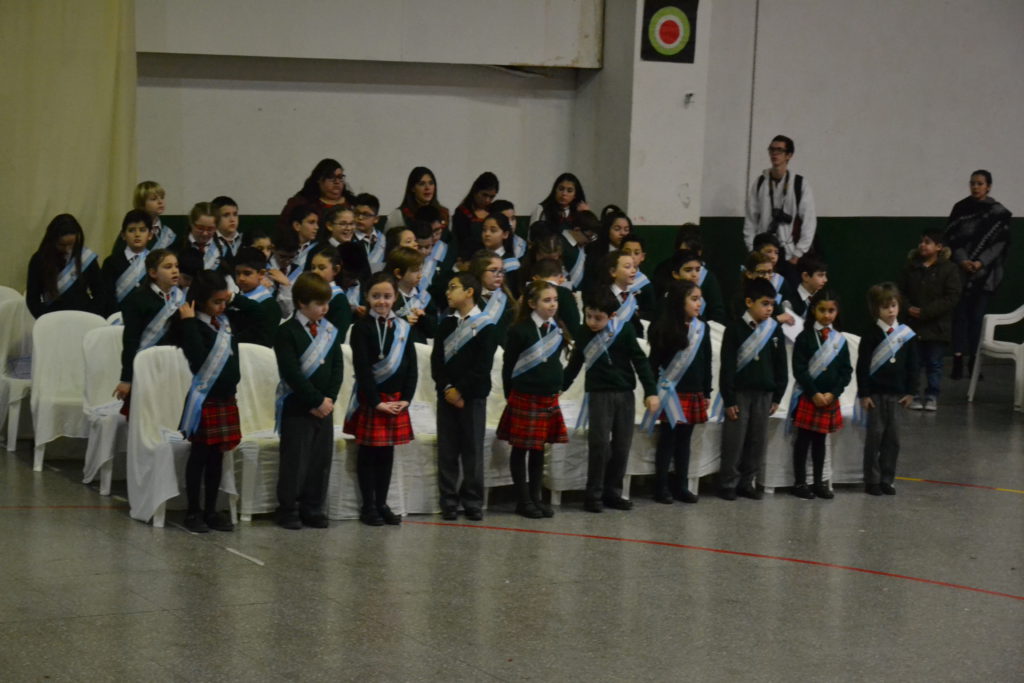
x: 67, y: 122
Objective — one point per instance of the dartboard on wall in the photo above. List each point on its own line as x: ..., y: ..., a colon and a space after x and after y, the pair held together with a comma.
x: 668, y: 31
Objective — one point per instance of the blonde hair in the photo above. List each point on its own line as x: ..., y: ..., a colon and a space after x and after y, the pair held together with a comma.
x: 881, y: 294
x: 144, y: 190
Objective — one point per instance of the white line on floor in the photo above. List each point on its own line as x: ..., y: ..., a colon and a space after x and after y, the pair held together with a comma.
x: 244, y: 556
x: 120, y: 498
x: 51, y: 467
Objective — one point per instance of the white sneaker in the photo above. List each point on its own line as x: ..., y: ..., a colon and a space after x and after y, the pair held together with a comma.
x: 931, y: 404
x: 916, y: 404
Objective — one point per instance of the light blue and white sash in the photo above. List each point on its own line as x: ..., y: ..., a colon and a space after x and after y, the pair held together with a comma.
x: 510, y: 264
x: 301, y: 259
x: 776, y: 281
x: 69, y: 275
x: 336, y: 290
x: 465, y: 331
x: 639, y: 282
x: 670, y: 376
x: 822, y: 358
x: 165, y: 238
x: 258, y: 294
x: 376, y: 253
x: 576, y: 274
x: 890, y: 346
x: 354, y: 295
x: 540, y: 351
x: 131, y: 276
x: 311, y: 359
x: 433, y: 260
x: 595, y: 348
x: 518, y: 246
x: 413, y: 302
x: 157, y: 327
x: 703, y: 275
x: 206, y: 377
x: 211, y: 256
x: 495, y: 307
x: 626, y: 309
x: 752, y: 345
x: 386, y: 367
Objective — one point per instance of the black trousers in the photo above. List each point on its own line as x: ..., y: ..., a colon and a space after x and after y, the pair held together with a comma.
x: 460, y: 441
x: 307, y: 447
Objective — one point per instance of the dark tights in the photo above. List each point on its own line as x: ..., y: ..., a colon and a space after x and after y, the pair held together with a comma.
x: 815, y: 441
x: 673, y: 448
x: 210, y: 459
x: 373, y: 469
x: 520, y: 469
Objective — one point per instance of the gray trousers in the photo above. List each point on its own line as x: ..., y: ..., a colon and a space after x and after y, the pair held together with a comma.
x: 882, y: 441
x: 306, y: 450
x: 745, y: 441
x: 460, y: 440
x: 609, y: 437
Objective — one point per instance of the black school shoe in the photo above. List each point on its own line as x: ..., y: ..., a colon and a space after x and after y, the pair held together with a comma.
x: 686, y: 496
x: 888, y: 489
x: 750, y: 492
x: 449, y: 514
x: 288, y: 520
x: 593, y: 506
x: 475, y: 515
x: 873, y: 489
x: 389, y: 517
x: 318, y: 521
x: 371, y: 518
x: 727, y: 494
x: 823, y: 491
x: 218, y: 521
x: 803, y: 491
x: 619, y: 503
x: 529, y: 510
x: 194, y: 523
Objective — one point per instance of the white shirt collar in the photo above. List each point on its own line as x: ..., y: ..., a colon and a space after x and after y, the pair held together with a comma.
x: 203, y: 316
x: 884, y: 326
x: 376, y: 316
x: 160, y: 292
x: 617, y: 291
x: 301, y: 317
x: 538, y: 321
x: 333, y: 242
x: 803, y: 293
x: 500, y: 251
x: 747, y: 319
x: 230, y: 241
x: 129, y: 254
x: 360, y: 235
x: 473, y: 311
x: 818, y: 327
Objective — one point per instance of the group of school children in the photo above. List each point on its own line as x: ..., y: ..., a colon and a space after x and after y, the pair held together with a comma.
x: 467, y: 283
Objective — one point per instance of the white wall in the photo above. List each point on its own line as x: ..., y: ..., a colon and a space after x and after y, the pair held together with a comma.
x: 254, y: 128
x: 521, y: 32
x: 891, y: 104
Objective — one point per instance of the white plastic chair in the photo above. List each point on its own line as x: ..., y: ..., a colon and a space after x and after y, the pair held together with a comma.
x: 260, y: 446
x: 156, y: 451
x: 16, y: 323
x: 115, y: 318
x: 58, y: 378
x: 108, y: 429
x: 6, y: 293
x: 988, y: 346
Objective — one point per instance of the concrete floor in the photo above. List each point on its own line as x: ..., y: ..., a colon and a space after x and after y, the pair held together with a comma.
x: 708, y: 592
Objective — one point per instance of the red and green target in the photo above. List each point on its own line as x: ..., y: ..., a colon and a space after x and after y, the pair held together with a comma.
x: 669, y: 30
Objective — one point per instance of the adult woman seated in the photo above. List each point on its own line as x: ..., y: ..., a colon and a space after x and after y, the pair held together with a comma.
x: 420, y: 191
x: 325, y: 187
x: 978, y: 234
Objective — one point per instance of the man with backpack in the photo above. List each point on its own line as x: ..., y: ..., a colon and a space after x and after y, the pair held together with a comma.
x: 781, y: 203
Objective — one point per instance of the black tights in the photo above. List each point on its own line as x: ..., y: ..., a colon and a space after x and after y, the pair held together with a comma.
x: 673, y: 448
x: 815, y: 441
x: 210, y: 459
x: 518, y: 465
x: 373, y: 469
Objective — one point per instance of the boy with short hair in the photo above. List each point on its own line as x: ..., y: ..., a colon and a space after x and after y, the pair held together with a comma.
x: 887, y: 369
x: 367, y: 211
x: 283, y: 269
x: 931, y: 286
x: 633, y: 244
x: 309, y: 362
x: 406, y: 265
x: 460, y: 364
x: 613, y: 359
x: 813, y: 276
x: 753, y: 376
x: 227, y: 237
x: 123, y: 270
x: 550, y: 270
x: 253, y: 326
x: 769, y: 245
x: 686, y: 264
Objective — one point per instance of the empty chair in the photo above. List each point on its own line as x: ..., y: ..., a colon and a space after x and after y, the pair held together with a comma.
x: 259, y: 448
x: 988, y: 346
x: 16, y: 323
x: 108, y: 429
x: 58, y: 377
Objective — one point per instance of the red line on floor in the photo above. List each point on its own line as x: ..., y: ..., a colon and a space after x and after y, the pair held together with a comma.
x: 956, y: 483
x: 63, y: 507
x: 722, y: 551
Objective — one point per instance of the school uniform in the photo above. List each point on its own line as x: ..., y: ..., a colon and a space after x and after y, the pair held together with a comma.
x: 210, y: 253
x: 760, y: 383
x: 114, y: 266
x: 219, y: 424
x: 513, y: 270
x: 283, y: 293
x: 85, y: 293
x: 623, y: 296
x: 504, y: 318
x: 645, y: 301
x: 371, y: 341
x: 466, y: 230
x: 373, y: 247
x: 896, y: 377
x: 229, y: 250
x: 532, y: 416
x: 444, y: 270
x: 460, y: 431
x: 568, y: 309
x: 255, y: 317
x: 139, y: 310
x: 714, y: 301
x: 339, y: 312
x: 797, y: 301
x: 426, y: 327
x: 610, y: 383
x: 692, y: 390
x: 307, y: 441
x: 574, y: 257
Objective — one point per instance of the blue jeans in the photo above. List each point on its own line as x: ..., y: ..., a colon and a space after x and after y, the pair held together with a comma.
x: 931, y: 353
x: 967, y: 319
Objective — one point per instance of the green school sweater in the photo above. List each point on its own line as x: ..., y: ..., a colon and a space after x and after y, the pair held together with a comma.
x: 899, y: 378
x: 544, y: 379
x: 197, y: 339
x: 697, y: 378
x: 254, y: 322
x: 833, y: 379
x: 290, y: 341
x: 469, y: 369
x: 616, y: 369
x: 769, y: 371
x: 366, y: 351
x: 137, y: 310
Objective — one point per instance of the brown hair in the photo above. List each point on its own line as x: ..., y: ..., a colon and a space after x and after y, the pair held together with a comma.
x: 403, y: 259
x: 881, y: 294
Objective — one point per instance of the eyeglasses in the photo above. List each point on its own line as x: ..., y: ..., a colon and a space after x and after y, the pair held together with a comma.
x: 336, y: 178
x: 453, y: 287
x: 495, y: 271
x: 777, y: 150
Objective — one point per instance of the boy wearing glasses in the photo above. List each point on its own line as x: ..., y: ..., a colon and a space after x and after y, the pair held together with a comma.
x: 781, y: 203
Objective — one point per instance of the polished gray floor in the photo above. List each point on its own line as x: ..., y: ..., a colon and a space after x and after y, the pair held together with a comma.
x: 88, y: 594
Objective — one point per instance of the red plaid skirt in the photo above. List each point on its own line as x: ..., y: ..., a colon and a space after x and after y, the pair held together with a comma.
x: 531, y: 420
x: 695, y: 407
x: 822, y: 420
x: 371, y: 427
x: 218, y: 424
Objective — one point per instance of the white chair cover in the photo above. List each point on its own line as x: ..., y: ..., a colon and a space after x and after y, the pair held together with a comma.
x: 108, y: 429
x: 16, y: 323
x: 156, y: 450
x: 115, y: 318
x: 258, y: 451
x: 6, y: 293
x: 58, y: 378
